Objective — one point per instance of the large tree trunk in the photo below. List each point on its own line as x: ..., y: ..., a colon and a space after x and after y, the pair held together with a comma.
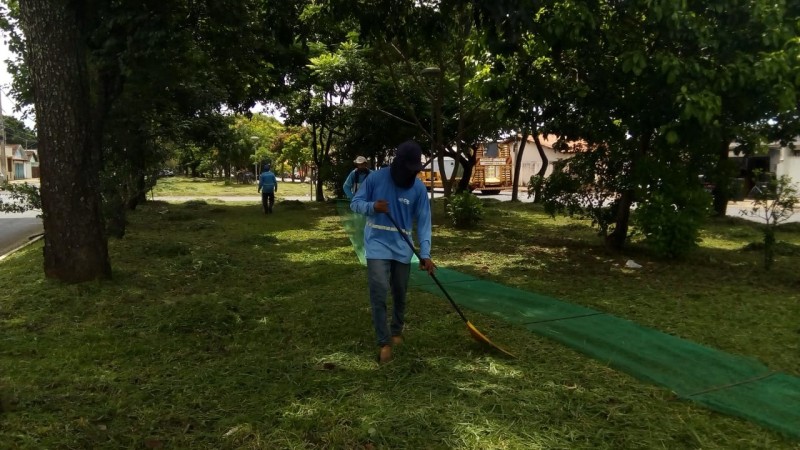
x: 518, y: 167
x: 468, y: 162
x: 75, y: 245
x: 319, y: 194
x: 137, y: 179
x: 616, y: 240
x: 537, y: 195
x: 141, y: 192
x: 720, y: 193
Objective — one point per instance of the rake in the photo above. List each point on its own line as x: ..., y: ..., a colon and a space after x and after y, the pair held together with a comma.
x: 474, y: 332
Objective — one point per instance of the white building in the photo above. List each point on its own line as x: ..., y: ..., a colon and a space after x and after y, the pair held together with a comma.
x: 785, y: 159
x: 20, y: 163
x: 553, y: 150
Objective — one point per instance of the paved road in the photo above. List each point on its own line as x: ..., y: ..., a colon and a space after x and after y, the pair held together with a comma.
x: 16, y: 228
x: 735, y: 210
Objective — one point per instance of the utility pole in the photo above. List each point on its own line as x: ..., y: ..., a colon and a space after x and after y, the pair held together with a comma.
x: 435, y: 99
x: 4, y: 162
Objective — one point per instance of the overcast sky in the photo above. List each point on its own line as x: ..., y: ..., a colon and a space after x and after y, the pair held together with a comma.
x: 5, y: 85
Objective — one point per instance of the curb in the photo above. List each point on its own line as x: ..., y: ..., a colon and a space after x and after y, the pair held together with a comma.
x: 30, y: 241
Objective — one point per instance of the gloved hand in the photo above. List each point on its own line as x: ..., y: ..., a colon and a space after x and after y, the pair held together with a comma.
x: 427, y: 265
x: 381, y: 206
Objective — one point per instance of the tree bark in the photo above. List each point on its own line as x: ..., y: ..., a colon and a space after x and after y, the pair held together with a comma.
x: 75, y: 244
x: 537, y: 196
x: 616, y: 240
x: 518, y: 166
x: 721, y: 193
x: 467, y: 158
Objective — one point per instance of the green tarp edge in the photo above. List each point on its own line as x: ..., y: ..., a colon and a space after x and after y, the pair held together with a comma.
x: 726, y: 383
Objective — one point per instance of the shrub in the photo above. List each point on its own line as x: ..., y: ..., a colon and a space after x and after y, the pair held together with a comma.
x: 774, y: 204
x: 581, y: 187
x: 465, y: 210
x: 20, y: 198
x: 671, y: 228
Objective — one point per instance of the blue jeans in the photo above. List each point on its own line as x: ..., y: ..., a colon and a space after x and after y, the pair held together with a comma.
x: 267, y: 200
x: 383, y: 274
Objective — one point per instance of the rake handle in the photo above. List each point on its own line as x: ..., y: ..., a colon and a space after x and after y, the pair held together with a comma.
x: 438, y: 283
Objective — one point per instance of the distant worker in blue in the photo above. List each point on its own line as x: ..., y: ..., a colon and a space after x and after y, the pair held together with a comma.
x: 356, y: 177
x: 395, y: 190
x: 267, y: 186
x: 354, y: 180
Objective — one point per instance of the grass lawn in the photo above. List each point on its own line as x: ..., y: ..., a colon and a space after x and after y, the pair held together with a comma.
x: 204, y: 187
x: 224, y: 328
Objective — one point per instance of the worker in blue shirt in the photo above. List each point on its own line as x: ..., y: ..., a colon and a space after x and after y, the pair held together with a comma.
x: 267, y: 186
x: 356, y: 177
x: 395, y: 190
x: 356, y: 221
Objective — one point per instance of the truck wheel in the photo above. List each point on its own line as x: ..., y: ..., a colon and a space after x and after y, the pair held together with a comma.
x: 490, y: 191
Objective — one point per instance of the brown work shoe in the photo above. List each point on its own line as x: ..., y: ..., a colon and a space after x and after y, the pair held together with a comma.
x: 398, y: 340
x: 385, y: 354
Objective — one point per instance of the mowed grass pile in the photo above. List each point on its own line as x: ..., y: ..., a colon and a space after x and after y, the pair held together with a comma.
x: 224, y: 328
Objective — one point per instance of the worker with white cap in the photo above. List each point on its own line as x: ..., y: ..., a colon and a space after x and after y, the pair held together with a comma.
x: 356, y: 177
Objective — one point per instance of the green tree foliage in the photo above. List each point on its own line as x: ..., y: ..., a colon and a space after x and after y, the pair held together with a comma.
x: 443, y: 69
x: 250, y: 139
x: 294, y: 150
x: 582, y: 187
x: 153, y: 69
x: 666, y: 84
x: 19, y: 133
x: 657, y: 89
x: 671, y: 218
x: 530, y: 86
x: 20, y: 198
x: 139, y: 67
x: 323, y: 88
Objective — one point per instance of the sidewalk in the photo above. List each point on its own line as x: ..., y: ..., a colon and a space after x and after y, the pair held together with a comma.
x: 32, y: 181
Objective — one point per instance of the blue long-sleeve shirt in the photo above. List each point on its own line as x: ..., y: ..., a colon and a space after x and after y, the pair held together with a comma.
x: 381, y: 238
x: 267, y: 182
x: 354, y: 179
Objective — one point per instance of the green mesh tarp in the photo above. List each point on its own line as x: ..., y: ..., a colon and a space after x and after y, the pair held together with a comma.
x: 726, y: 383
x: 354, y: 227
x: 510, y: 304
x: 683, y: 366
x: 773, y: 401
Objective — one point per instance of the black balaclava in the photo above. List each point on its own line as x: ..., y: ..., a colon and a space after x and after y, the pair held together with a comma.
x: 401, y: 176
x: 406, y: 164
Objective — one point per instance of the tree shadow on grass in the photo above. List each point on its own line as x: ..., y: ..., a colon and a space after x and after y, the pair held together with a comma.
x: 218, y: 336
